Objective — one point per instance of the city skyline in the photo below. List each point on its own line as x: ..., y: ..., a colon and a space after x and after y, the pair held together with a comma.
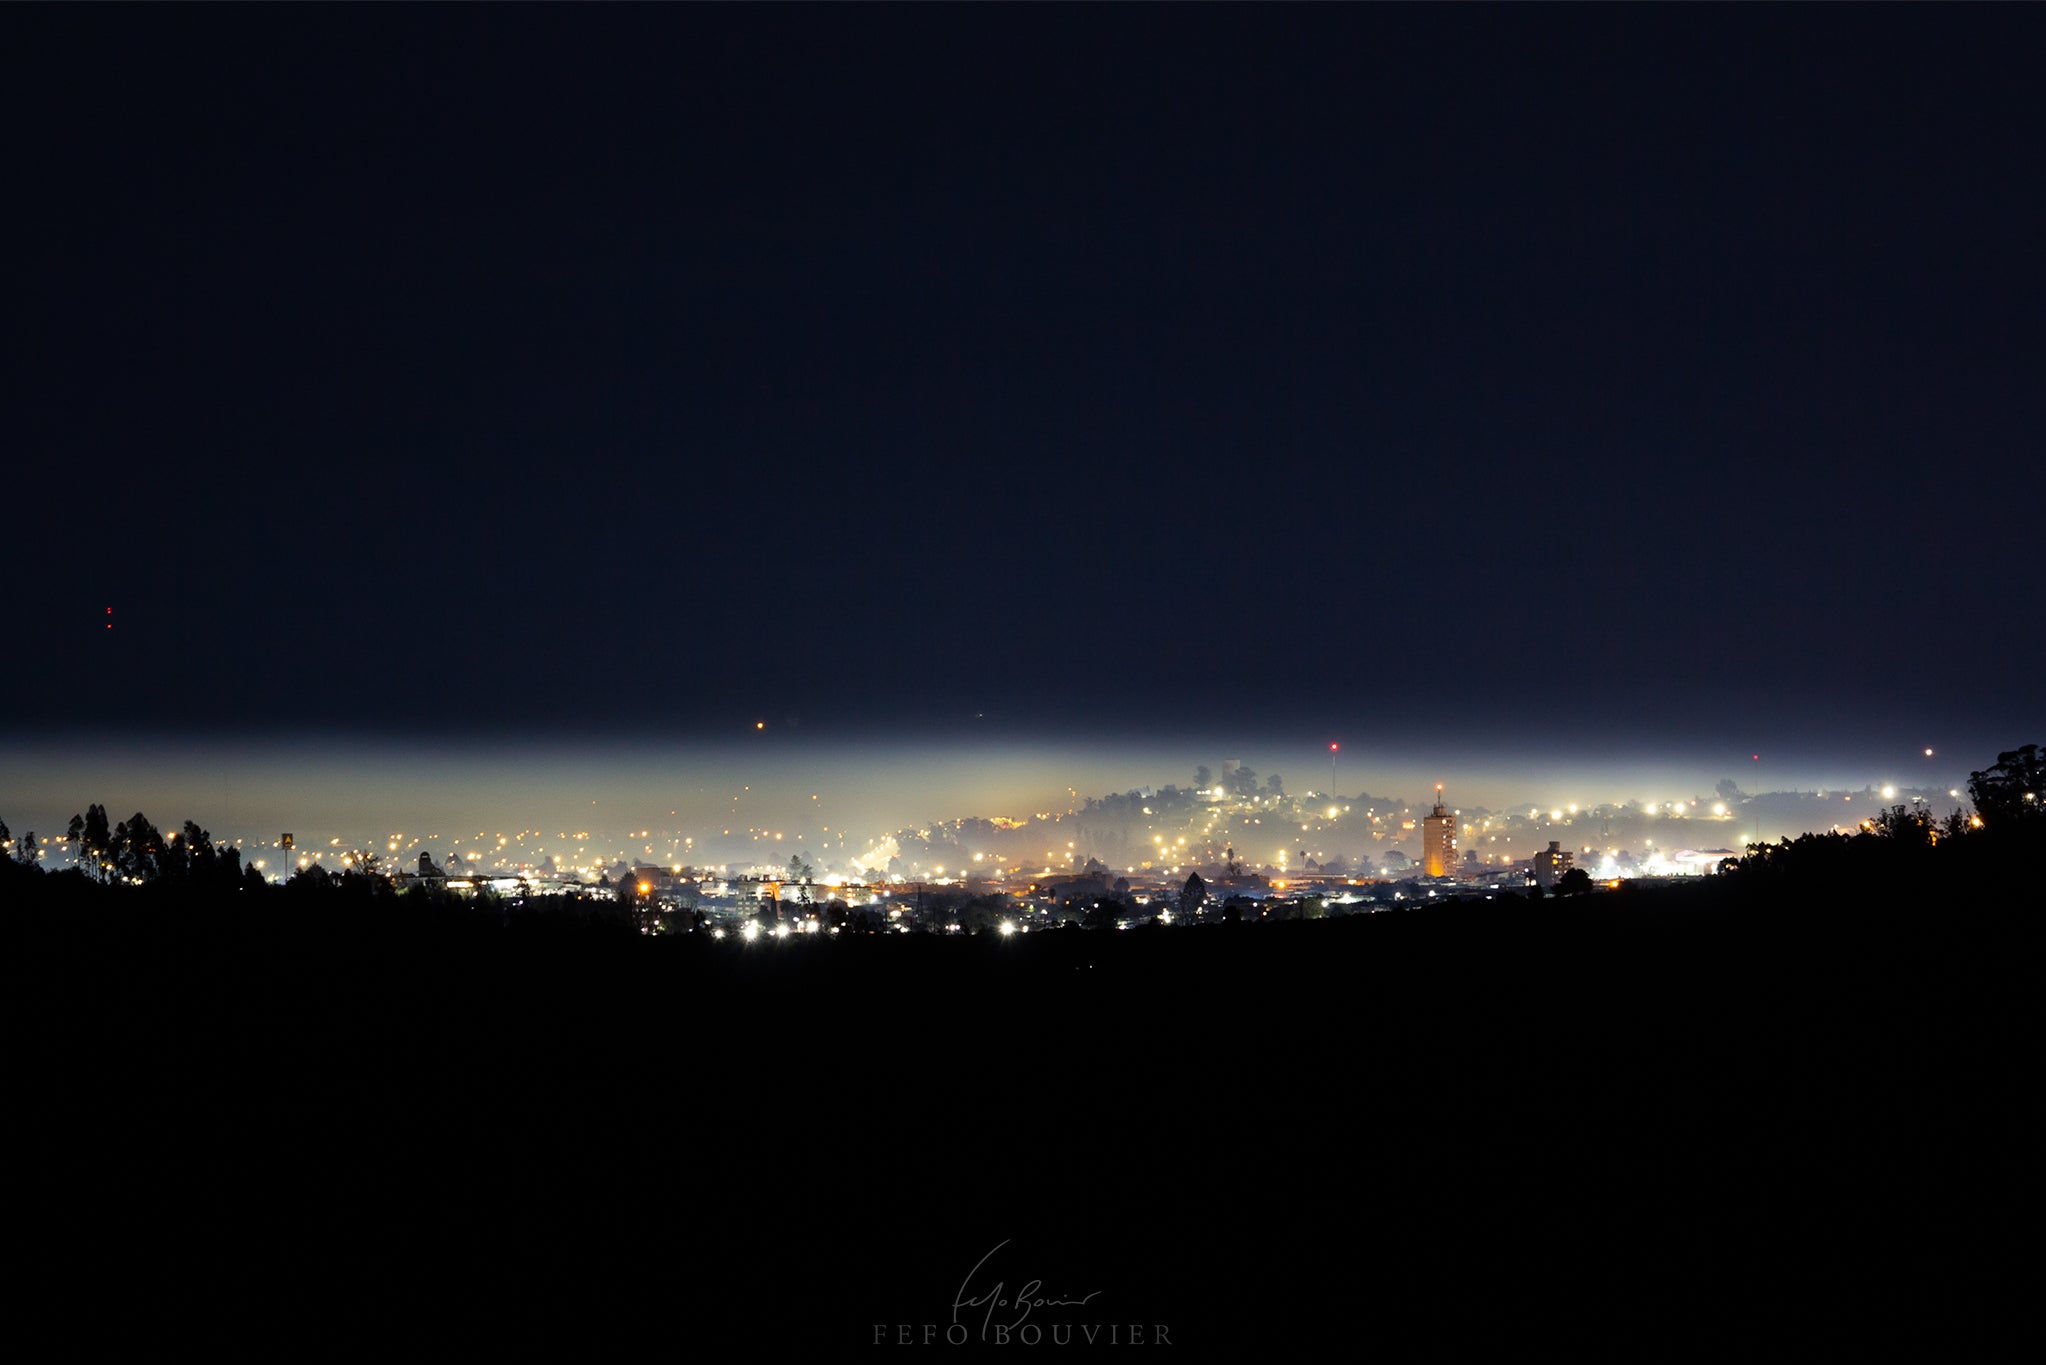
x: 749, y: 804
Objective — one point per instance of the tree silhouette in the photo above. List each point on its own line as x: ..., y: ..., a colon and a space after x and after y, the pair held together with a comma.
x: 310, y: 879
x: 636, y: 895
x: 981, y: 914
x: 137, y: 848
x: 1191, y: 897
x: 191, y: 853
x: 24, y: 850
x: 1906, y: 824
x: 2011, y: 793
x: 91, y: 841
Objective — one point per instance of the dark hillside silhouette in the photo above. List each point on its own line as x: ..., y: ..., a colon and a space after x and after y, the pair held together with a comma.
x: 1718, y: 1113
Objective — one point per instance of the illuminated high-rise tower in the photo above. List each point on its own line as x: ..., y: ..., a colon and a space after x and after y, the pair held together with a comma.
x: 1438, y: 839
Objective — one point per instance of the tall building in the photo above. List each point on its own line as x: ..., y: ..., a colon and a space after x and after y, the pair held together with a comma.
x: 1438, y: 839
x: 1548, y: 868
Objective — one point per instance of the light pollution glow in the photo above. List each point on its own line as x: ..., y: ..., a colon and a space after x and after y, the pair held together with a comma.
x: 762, y: 799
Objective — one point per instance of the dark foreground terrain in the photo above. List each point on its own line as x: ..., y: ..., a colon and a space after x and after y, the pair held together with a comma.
x: 1735, y: 1121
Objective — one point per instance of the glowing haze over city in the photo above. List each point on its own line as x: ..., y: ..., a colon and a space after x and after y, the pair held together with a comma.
x: 815, y: 424
x: 753, y: 802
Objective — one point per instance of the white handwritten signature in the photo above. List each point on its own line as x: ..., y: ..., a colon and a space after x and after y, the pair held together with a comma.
x: 1024, y: 1301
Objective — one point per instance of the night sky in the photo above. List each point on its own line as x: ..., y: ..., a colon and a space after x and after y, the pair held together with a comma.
x: 1485, y: 381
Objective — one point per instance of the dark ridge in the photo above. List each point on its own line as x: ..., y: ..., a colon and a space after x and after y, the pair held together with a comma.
x: 1644, y: 1119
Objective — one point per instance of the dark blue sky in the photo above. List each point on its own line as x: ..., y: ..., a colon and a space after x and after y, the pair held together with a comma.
x: 1643, y: 375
